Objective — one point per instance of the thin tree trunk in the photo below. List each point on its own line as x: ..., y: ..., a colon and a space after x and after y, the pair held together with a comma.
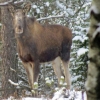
x: 93, y: 78
x: 8, y: 54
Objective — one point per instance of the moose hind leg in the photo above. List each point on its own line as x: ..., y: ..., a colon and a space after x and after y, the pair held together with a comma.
x: 36, y: 70
x: 65, y: 57
x: 67, y: 73
x: 57, y: 68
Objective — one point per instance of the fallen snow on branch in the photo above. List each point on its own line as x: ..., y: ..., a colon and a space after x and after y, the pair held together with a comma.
x: 82, y: 51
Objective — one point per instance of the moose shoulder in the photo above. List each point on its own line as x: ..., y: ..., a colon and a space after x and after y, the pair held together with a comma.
x: 37, y: 43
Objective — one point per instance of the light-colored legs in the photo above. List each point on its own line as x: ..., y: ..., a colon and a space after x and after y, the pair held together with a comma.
x: 29, y: 69
x: 67, y: 73
x: 57, y: 68
x: 32, y: 73
x: 32, y: 70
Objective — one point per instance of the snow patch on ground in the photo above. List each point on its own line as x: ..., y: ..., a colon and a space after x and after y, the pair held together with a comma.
x: 61, y: 94
x: 74, y: 95
x: 28, y: 98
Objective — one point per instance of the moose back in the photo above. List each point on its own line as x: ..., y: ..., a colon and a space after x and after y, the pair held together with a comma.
x: 37, y: 44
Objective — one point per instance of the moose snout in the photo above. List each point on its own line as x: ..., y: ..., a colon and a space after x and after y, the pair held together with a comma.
x: 18, y: 29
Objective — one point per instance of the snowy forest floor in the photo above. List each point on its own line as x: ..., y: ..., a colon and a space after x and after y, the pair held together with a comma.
x: 62, y: 94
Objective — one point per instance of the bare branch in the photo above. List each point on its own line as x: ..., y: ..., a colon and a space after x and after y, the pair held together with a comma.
x: 11, y: 2
x: 6, y: 3
x: 11, y: 82
x: 58, y: 16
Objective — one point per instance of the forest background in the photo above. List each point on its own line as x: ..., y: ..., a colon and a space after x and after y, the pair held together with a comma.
x: 71, y: 13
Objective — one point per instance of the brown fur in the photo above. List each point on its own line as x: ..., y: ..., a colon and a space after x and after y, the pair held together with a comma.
x: 38, y: 43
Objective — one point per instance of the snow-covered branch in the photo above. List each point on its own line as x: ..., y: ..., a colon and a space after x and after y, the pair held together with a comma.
x: 6, y: 3
x: 58, y: 16
x: 12, y: 69
x: 67, y: 10
x: 11, y: 2
x: 13, y: 83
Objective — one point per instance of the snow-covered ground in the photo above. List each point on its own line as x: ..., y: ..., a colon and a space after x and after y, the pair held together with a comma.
x: 73, y: 96
x: 62, y: 94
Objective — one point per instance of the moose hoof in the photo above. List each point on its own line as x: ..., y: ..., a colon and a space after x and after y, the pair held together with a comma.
x: 33, y: 92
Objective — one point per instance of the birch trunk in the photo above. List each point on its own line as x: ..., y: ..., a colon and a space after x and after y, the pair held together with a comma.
x: 93, y: 78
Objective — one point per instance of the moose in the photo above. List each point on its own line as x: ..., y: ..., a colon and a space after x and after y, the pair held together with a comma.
x: 38, y: 43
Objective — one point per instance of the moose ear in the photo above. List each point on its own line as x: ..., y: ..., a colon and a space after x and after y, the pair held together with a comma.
x: 11, y: 9
x: 26, y: 8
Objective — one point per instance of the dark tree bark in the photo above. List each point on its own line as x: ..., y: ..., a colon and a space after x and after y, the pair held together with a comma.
x: 93, y: 78
x: 8, y: 53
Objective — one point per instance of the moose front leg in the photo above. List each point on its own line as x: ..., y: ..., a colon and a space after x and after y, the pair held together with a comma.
x: 29, y: 69
x: 32, y: 70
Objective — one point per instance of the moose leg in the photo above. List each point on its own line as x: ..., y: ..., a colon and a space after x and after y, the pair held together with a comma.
x: 57, y: 68
x: 36, y: 70
x: 32, y: 72
x: 29, y: 69
x: 67, y: 73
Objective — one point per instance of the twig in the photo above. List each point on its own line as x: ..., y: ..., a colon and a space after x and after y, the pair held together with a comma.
x: 58, y: 16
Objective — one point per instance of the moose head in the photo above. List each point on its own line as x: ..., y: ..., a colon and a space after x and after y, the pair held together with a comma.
x: 18, y: 15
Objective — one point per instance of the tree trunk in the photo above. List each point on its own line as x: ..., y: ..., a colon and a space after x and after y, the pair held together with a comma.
x: 93, y: 78
x: 8, y: 54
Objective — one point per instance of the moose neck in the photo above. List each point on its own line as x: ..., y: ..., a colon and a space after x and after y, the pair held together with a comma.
x: 34, y: 26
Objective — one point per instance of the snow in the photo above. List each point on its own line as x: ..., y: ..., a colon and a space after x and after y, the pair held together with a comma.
x: 28, y: 98
x: 82, y: 51
x: 76, y: 95
x: 47, y: 4
x: 16, y: 84
x: 60, y: 94
x: 60, y: 5
x: 87, y: 4
x: 12, y: 69
x: 76, y: 38
x: 70, y: 11
x: 75, y: 77
x: 34, y: 6
x: 38, y: 10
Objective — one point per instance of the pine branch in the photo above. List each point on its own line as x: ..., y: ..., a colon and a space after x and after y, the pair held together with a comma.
x: 23, y: 79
